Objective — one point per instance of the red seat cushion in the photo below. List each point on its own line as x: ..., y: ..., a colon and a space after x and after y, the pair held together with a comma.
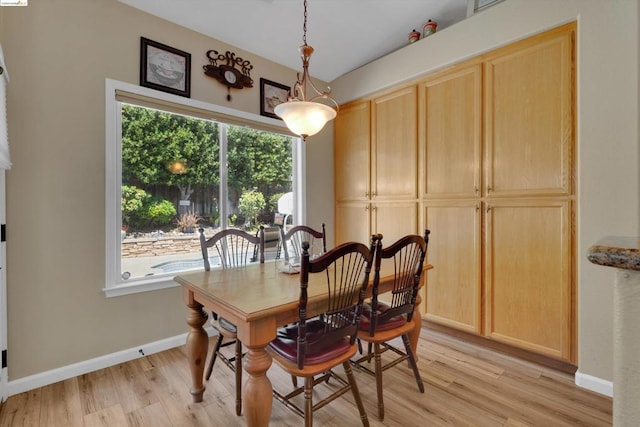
x: 392, y: 323
x: 286, y: 344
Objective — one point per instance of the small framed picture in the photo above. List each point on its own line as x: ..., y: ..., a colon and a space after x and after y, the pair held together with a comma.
x: 272, y: 94
x: 165, y: 68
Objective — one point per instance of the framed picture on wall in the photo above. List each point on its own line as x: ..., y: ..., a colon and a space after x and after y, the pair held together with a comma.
x: 272, y: 94
x: 165, y: 68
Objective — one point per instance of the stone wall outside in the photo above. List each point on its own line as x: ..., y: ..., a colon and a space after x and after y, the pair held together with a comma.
x: 154, y: 246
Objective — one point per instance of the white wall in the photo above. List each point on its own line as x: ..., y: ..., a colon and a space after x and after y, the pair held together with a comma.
x: 607, y: 126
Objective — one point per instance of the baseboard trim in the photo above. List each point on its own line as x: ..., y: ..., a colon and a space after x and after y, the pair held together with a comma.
x: 594, y: 384
x: 60, y: 374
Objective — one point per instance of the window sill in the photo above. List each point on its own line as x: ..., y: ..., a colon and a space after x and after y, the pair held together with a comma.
x: 139, y: 286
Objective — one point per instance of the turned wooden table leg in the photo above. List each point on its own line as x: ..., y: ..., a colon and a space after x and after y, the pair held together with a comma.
x: 257, y: 394
x: 197, y: 345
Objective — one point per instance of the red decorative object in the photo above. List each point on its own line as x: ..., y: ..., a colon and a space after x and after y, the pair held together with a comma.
x: 429, y: 28
x: 414, y: 36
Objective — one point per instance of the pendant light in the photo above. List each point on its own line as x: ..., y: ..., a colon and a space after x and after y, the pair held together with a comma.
x: 306, y: 117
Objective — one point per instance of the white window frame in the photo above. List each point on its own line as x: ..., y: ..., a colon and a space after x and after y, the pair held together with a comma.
x: 114, y: 285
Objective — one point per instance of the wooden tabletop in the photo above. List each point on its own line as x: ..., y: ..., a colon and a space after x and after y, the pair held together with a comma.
x: 258, y: 290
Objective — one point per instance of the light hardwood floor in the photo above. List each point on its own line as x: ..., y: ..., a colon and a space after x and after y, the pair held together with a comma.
x: 465, y: 385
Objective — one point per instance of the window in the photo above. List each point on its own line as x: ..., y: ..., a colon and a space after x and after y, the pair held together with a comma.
x: 175, y: 165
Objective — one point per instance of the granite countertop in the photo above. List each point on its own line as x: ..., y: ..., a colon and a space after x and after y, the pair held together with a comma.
x: 616, y: 251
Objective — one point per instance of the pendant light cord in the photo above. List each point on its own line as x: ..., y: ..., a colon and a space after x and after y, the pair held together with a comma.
x: 304, y: 26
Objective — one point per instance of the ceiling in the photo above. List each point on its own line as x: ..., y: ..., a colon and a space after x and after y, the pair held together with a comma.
x: 346, y: 34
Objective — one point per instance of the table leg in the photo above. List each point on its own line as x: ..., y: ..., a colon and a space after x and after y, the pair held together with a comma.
x: 414, y: 335
x: 197, y: 345
x: 257, y: 394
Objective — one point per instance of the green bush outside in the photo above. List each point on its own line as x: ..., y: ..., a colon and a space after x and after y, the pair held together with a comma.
x: 250, y: 205
x: 159, y: 212
x: 133, y: 201
x: 140, y: 210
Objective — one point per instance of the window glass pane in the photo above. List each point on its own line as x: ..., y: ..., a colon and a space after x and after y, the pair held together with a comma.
x: 259, y: 174
x: 171, y: 181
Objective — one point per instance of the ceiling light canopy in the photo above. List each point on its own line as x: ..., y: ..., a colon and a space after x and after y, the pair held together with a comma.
x: 306, y: 117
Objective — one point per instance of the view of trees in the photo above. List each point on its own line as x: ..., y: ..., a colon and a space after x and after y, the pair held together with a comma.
x: 258, y: 163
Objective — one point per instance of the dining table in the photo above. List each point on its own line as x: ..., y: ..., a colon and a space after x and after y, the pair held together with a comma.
x: 257, y: 298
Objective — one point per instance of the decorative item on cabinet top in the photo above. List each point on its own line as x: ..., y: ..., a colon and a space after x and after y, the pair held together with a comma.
x: 429, y: 28
x: 227, y: 73
x: 413, y: 36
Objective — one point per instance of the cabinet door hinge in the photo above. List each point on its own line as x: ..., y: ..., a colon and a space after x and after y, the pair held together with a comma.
x: 4, y: 358
x: 3, y: 232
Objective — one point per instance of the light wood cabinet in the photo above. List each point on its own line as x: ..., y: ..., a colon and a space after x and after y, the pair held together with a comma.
x: 352, y: 147
x: 493, y: 182
x: 394, y: 142
x: 454, y: 296
x: 376, y: 163
x: 528, y: 275
x: 451, y: 120
x: 518, y: 221
x: 450, y: 189
x: 528, y: 110
x: 353, y: 222
x: 395, y: 219
x: 357, y: 221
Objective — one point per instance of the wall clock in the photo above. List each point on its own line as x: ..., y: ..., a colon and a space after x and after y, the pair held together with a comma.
x: 231, y: 71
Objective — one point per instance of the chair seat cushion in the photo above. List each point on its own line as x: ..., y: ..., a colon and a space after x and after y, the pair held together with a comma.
x: 391, y: 323
x: 286, y: 344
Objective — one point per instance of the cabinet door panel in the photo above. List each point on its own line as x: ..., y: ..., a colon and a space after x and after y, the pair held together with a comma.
x: 352, y: 127
x: 395, y: 220
x: 452, y: 117
x: 529, y: 117
x: 453, y: 295
x: 352, y: 223
x: 394, y: 150
x: 528, y: 275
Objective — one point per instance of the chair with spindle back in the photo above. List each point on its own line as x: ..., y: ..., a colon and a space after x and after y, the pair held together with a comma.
x: 381, y: 321
x: 291, y: 241
x: 314, y: 346
x: 291, y: 244
x: 232, y: 248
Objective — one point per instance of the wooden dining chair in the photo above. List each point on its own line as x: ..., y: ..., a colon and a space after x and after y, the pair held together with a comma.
x: 291, y: 245
x: 381, y: 321
x: 314, y: 346
x: 231, y: 248
x: 291, y: 241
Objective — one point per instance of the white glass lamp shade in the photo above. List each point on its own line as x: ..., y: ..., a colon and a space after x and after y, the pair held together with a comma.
x: 304, y: 118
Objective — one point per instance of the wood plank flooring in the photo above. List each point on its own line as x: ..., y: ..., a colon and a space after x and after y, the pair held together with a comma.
x: 465, y: 385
